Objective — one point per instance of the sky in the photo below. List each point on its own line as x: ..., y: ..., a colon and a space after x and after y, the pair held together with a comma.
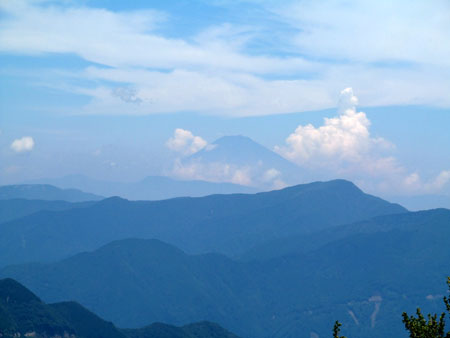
x: 120, y: 90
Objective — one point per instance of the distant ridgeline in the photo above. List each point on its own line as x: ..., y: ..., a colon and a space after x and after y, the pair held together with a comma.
x: 45, y: 192
x: 298, y: 259
x: 22, y: 314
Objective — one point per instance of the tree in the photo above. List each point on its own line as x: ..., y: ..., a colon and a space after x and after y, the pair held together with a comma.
x: 430, y: 327
x: 419, y: 327
x: 337, y: 330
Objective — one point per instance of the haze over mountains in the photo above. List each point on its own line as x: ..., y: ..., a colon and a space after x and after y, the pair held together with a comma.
x: 231, y: 164
x: 217, y: 169
x: 241, y: 160
x: 149, y: 188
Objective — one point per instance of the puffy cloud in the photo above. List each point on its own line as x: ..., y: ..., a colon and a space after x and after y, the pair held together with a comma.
x: 271, y: 174
x: 441, y: 180
x: 343, y: 146
x: 184, y: 142
x: 23, y: 144
x: 342, y: 138
x: 414, y: 183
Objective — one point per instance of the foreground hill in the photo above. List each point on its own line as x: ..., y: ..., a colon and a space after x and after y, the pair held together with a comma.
x: 229, y: 224
x: 149, y: 188
x: 365, y: 279
x: 45, y: 192
x: 24, y: 314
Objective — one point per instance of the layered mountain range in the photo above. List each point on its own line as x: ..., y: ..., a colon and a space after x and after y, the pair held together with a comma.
x: 284, y: 263
x: 229, y: 224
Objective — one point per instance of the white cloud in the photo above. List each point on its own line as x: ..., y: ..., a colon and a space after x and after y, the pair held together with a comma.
x: 372, y: 31
x: 342, y: 138
x: 217, y: 72
x: 213, y: 172
x: 126, y: 39
x: 344, y: 147
x: 414, y: 183
x: 441, y: 180
x: 248, y: 175
x: 220, y: 93
x: 184, y: 142
x: 272, y: 176
x: 23, y: 144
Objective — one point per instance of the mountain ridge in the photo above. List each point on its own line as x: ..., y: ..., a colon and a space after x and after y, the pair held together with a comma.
x: 229, y: 224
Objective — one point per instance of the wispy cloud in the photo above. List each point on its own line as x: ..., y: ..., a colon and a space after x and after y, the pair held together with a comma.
x: 385, y: 49
x: 403, y: 32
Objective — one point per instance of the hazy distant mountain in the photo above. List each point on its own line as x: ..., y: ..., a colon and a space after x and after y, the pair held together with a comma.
x: 242, y: 150
x: 45, y: 192
x: 150, y: 188
x: 17, y: 208
x: 229, y: 224
x: 22, y: 314
x: 366, y: 279
x: 241, y: 158
x: 422, y: 202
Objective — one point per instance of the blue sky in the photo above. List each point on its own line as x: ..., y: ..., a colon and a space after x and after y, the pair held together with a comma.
x: 100, y: 86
